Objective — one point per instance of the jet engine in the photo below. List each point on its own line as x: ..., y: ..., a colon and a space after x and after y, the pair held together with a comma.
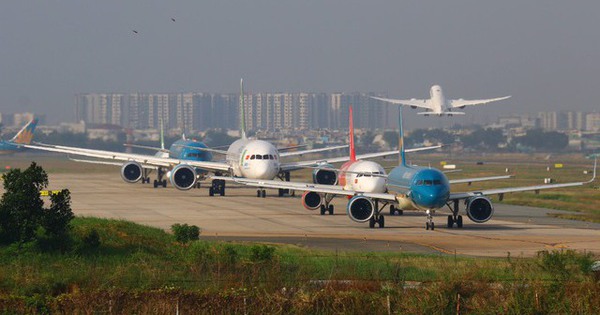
x: 311, y: 200
x: 131, y: 172
x: 325, y: 176
x: 183, y: 177
x: 479, y: 209
x: 360, y: 209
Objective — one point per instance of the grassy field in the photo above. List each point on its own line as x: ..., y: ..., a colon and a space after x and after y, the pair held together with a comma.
x: 139, y: 268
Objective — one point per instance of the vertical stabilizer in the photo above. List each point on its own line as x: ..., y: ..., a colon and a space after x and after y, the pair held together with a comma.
x: 401, y: 138
x: 25, y: 135
x: 351, y: 136
x: 242, y: 111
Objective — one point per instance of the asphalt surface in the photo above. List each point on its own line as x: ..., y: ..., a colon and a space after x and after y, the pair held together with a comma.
x: 241, y: 216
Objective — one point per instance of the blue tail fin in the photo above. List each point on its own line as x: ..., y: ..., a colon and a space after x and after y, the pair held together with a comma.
x: 25, y: 135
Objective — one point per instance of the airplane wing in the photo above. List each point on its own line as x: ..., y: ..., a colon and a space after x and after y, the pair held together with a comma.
x: 463, y: 103
x: 413, y: 102
x: 147, y: 160
x: 292, y: 166
x: 326, y: 189
x: 502, y: 191
x: 211, y: 150
x: 284, y: 154
x: 129, y: 145
x: 478, y: 179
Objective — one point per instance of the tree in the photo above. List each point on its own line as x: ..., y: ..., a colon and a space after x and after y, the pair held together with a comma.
x: 391, y: 138
x: 542, y: 141
x: 484, y: 138
x: 56, y: 220
x: 21, y: 206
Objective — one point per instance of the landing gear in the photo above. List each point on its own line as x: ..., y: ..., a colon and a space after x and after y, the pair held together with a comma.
x: 261, y: 193
x: 146, y: 176
x: 159, y: 181
x: 393, y: 210
x: 217, y: 187
x: 378, y: 218
x: 326, y: 209
x: 429, y: 225
x: 455, y: 217
x: 285, y: 176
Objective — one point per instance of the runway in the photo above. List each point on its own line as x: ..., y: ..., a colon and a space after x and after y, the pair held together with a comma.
x: 241, y: 216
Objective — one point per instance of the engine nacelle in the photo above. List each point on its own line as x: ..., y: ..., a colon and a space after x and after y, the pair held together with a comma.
x: 132, y: 172
x: 360, y: 209
x: 479, y: 209
x: 325, y: 176
x: 183, y: 177
x: 311, y: 200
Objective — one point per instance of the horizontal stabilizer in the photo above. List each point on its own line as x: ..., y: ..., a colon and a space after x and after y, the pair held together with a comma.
x: 440, y: 114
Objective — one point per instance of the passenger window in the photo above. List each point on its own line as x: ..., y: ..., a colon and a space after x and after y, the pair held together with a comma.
x: 259, y: 157
x: 265, y: 157
x: 428, y: 182
x: 252, y: 157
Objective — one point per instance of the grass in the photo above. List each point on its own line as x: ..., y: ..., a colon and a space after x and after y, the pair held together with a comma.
x: 139, y: 267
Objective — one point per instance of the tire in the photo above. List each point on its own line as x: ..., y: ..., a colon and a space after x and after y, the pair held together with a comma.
x: 400, y: 211
x: 459, y: 222
x: 280, y: 193
x: 164, y: 183
x: 263, y: 193
x: 381, y: 222
x: 432, y: 226
x: 450, y: 222
x: 392, y: 210
x: 330, y: 209
x: 258, y: 194
x: 322, y: 210
x: 155, y: 183
x: 211, y: 192
x: 372, y: 222
x: 222, y: 193
x: 427, y: 226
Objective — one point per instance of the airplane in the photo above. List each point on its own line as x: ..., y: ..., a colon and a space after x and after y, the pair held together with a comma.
x: 22, y: 137
x: 353, y: 175
x: 437, y: 103
x: 424, y: 189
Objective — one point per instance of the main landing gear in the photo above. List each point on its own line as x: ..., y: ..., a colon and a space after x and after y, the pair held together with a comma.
x: 159, y: 181
x: 146, y: 176
x: 378, y: 218
x: 261, y: 193
x: 394, y: 210
x: 454, y: 217
x: 217, y: 187
x: 285, y: 176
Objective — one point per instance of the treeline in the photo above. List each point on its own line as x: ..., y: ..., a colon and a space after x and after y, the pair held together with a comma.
x: 489, y: 139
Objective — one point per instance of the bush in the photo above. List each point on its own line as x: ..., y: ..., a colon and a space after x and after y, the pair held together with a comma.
x: 262, y: 253
x: 185, y: 233
x: 91, y: 240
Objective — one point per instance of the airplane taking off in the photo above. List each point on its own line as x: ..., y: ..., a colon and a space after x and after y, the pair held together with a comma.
x: 22, y: 137
x: 353, y: 176
x: 414, y: 188
x: 437, y: 104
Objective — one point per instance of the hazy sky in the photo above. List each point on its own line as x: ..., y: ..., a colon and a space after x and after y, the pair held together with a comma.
x: 544, y: 53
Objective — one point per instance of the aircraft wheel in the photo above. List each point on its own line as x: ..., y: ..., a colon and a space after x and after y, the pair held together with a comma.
x: 392, y: 210
x: 211, y: 192
x: 459, y: 221
x: 222, y: 192
x: 372, y: 222
x: 263, y: 193
x: 322, y: 209
x: 155, y: 183
x: 400, y: 211
x: 280, y: 192
x: 381, y: 222
x: 427, y: 226
x: 330, y: 209
x: 450, y: 222
x: 258, y: 193
x: 432, y: 226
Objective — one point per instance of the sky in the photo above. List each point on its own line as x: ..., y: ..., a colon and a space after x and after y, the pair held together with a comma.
x: 544, y: 53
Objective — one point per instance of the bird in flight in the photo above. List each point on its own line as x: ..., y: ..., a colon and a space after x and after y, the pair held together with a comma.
x: 135, y: 31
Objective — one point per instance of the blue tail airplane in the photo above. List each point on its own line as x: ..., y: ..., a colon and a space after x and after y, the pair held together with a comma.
x: 24, y: 136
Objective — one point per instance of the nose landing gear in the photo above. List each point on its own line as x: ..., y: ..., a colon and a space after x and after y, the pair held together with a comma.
x: 429, y: 224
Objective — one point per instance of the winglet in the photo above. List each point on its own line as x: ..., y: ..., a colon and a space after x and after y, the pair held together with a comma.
x: 351, y: 136
x: 401, y: 138
x: 594, y: 174
x: 242, y: 110
x: 25, y: 135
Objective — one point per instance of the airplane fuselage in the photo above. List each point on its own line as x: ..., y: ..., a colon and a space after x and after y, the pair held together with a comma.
x: 356, y: 175
x: 426, y: 188
x: 255, y: 159
x: 9, y: 148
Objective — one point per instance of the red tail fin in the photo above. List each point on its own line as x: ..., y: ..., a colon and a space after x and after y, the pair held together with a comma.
x: 351, y: 135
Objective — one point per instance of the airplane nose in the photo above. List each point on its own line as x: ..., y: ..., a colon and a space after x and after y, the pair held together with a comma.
x: 429, y: 197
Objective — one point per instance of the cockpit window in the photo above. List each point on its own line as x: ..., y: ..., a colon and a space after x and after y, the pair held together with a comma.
x: 420, y: 182
x: 428, y: 182
x: 253, y: 157
x: 259, y: 157
x: 265, y: 157
x: 271, y: 157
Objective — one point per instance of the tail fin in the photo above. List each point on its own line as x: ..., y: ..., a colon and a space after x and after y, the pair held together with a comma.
x: 401, y: 138
x: 242, y: 111
x: 25, y: 135
x: 351, y: 136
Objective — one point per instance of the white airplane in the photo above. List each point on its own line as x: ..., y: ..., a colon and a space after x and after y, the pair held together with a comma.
x: 437, y: 104
x: 409, y: 187
x: 354, y: 175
